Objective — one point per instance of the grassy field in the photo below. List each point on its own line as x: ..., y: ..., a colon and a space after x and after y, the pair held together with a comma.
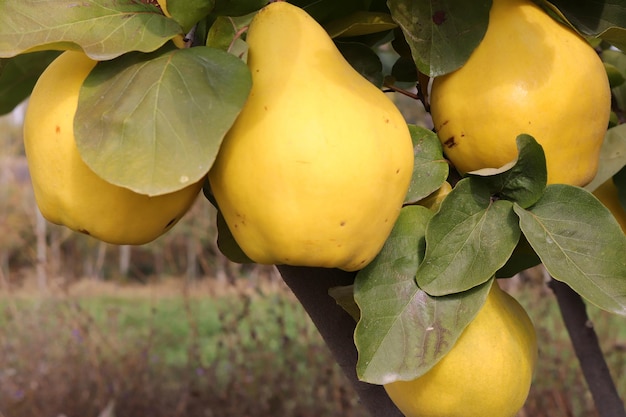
x: 211, y: 349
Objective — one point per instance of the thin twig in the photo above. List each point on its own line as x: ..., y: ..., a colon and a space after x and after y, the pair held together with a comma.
x: 588, y: 351
x: 393, y: 88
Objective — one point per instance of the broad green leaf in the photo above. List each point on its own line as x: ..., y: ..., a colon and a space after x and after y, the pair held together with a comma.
x: 522, y: 258
x: 208, y: 193
x: 616, y: 77
x: 221, y: 33
x: 103, y: 29
x: 612, y: 156
x: 153, y: 122
x: 604, y: 19
x: 617, y: 60
x: 580, y: 243
x: 400, y: 45
x: 225, y: 34
x: 468, y: 240
x: 19, y: 75
x: 360, y: 23
x: 524, y: 182
x: 236, y: 7
x: 344, y: 297
x: 442, y: 35
x: 402, y: 331
x: 227, y: 244
x: 364, y: 60
x: 404, y: 70
x: 188, y: 12
x: 430, y: 168
x: 619, y: 179
x: 325, y: 11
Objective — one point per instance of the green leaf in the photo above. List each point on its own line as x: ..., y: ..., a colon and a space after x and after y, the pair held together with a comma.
x: 325, y: 11
x: 224, y: 34
x: 18, y: 76
x: 153, y: 123
x: 604, y: 19
x: 619, y: 179
x: 221, y: 34
x: 442, y: 35
x: 524, y: 182
x: 236, y: 7
x: 617, y: 60
x: 402, y: 331
x: 616, y: 77
x: 468, y: 240
x: 522, y: 258
x: 400, y: 45
x: 188, y: 12
x: 360, y: 23
x: 227, y: 244
x: 364, y: 60
x: 104, y: 29
x: 344, y: 297
x: 580, y: 243
x: 430, y: 168
x: 612, y: 156
x: 404, y: 70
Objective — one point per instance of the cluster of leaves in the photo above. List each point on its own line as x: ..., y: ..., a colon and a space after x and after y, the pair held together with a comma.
x: 435, y: 270
x: 433, y: 273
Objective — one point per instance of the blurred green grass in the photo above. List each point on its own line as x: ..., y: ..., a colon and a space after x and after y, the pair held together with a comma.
x: 242, y: 352
x: 245, y: 353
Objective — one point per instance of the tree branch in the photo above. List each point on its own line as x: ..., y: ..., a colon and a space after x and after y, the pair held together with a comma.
x: 310, y: 286
x: 587, y: 348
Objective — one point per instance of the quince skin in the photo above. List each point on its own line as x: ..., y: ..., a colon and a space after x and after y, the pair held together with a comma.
x: 316, y: 167
x: 529, y: 75
x: 67, y: 191
x: 488, y: 372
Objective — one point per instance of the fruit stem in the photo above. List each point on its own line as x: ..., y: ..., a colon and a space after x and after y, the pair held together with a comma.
x: 587, y: 348
x: 238, y: 34
x: 310, y: 286
x: 393, y: 88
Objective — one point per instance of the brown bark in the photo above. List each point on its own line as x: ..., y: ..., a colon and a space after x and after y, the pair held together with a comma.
x: 310, y: 286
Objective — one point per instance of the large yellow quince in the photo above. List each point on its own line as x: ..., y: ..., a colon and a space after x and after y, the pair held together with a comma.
x: 530, y: 75
x: 487, y: 373
x: 67, y: 191
x: 608, y: 195
x: 317, y: 165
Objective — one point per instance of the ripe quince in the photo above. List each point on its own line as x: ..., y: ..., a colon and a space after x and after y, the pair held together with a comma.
x: 317, y: 165
x: 608, y: 195
x: 488, y: 372
x: 67, y: 191
x: 529, y: 75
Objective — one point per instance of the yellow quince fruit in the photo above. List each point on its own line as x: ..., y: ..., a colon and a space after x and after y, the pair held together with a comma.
x: 608, y: 195
x: 488, y: 372
x: 434, y: 200
x: 317, y: 165
x: 529, y: 75
x: 67, y: 191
